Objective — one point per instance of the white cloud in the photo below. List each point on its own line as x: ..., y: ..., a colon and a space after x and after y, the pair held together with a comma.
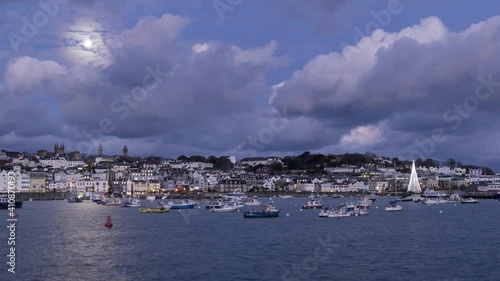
x: 27, y: 72
x: 363, y: 136
x: 200, y: 48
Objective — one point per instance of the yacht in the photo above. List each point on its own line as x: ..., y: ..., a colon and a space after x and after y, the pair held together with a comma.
x: 182, y: 204
x: 224, y: 209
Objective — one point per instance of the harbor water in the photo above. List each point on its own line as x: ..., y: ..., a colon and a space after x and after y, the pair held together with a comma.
x: 56, y: 240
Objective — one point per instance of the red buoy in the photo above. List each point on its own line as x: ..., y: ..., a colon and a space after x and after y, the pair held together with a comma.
x: 108, y: 222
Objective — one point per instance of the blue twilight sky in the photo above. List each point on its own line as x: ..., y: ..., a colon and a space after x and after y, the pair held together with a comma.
x: 251, y: 78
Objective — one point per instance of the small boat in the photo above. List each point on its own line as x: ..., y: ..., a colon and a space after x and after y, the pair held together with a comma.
x: 114, y: 203
x: 393, y: 206
x: 151, y: 197
x: 154, y: 210
x: 236, y: 194
x: 224, y: 209
x: 183, y: 204
x: 215, y: 205
x: 253, y: 202
x: 74, y: 199
x: 364, y: 203
x: 455, y: 197
x: 430, y: 201
x: 335, y: 196
x: 442, y: 200
x: 470, y: 200
x: 417, y: 198
x: 406, y: 199
x: 268, y: 211
x: 373, y: 197
x: 285, y: 196
x: 133, y: 203
x: 313, y: 204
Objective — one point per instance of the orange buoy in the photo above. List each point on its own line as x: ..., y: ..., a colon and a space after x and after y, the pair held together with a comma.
x: 108, y: 223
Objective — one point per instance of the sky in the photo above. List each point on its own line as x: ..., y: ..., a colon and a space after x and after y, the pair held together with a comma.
x: 400, y: 78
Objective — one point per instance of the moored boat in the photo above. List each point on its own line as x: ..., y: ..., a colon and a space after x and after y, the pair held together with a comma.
x: 4, y: 203
x: 470, y: 200
x: 154, y: 210
x: 268, y: 211
x: 224, y: 209
x: 313, y: 204
x: 393, y: 206
x: 253, y: 202
x: 182, y: 204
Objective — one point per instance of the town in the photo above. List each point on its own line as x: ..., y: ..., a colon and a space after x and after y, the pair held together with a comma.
x: 69, y: 172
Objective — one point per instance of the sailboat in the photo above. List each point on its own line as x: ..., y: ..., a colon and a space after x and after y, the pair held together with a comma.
x: 393, y: 206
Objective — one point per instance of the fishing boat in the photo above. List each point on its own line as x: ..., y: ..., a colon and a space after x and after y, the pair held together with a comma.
x: 470, y: 200
x: 253, y: 202
x: 182, y: 204
x: 268, y: 211
x: 313, y: 204
x: 364, y: 203
x: 345, y: 210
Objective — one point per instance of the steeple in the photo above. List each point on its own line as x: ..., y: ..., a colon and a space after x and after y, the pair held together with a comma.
x: 100, y: 151
x: 414, y: 185
x: 125, y: 152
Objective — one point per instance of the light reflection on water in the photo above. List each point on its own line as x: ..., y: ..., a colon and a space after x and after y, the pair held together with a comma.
x: 61, y: 241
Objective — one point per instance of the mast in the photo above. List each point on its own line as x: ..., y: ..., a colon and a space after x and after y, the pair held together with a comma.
x: 395, y: 185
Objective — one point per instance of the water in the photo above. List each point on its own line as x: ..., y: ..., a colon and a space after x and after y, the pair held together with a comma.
x: 61, y: 241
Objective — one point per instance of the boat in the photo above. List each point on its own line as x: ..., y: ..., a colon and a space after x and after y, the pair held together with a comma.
x: 313, y: 196
x: 216, y: 204
x: 236, y: 204
x: 416, y: 198
x: 335, y: 196
x: 154, y: 210
x: 224, y: 209
x: 285, y: 196
x: 113, y: 203
x: 364, y: 203
x: 268, y: 211
x: 183, y: 204
x: 344, y: 210
x: 406, y: 198
x: 433, y: 193
x: 393, y: 206
x: 235, y: 194
x: 74, y: 199
x: 151, y: 197
x: 253, y: 202
x: 313, y: 204
x: 470, y: 200
x: 430, y: 201
x: 455, y: 197
x: 96, y: 198
x: 4, y: 203
x: 442, y: 200
x: 133, y: 203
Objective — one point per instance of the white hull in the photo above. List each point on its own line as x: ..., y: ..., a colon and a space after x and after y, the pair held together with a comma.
x: 223, y: 210
x: 253, y: 203
x: 394, y: 208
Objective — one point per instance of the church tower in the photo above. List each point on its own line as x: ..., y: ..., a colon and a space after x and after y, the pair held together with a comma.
x: 100, y: 151
x: 125, y: 152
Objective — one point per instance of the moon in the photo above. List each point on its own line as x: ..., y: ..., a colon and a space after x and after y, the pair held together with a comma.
x: 87, y: 43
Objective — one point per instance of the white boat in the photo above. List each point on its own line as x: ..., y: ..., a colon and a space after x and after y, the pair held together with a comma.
x: 236, y: 194
x: 364, y: 203
x: 417, y: 198
x: 455, y: 197
x: 253, y: 202
x: 433, y: 193
x: 470, y: 200
x: 135, y: 203
x: 313, y: 204
x: 235, y: 204
x: 393, y: 207
x: 224, y: 209
x: 216, y: 205
x: 442, y: 200
x: 431, y: 201
x: 285, y: 196
x: 151, y: 198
